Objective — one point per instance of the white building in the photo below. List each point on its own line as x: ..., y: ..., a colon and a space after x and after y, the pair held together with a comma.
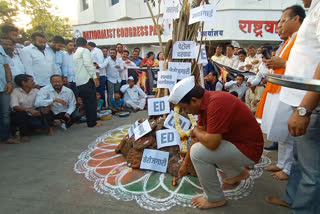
x: 108, y: 22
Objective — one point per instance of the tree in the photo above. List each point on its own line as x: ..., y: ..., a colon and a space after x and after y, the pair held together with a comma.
x: 8, y: 12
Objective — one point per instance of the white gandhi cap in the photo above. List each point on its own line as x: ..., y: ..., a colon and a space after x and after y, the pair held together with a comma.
x: 181, y: 89
x: 131, y: 78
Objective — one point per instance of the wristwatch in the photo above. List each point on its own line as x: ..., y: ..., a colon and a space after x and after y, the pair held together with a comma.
x: 302, y: 111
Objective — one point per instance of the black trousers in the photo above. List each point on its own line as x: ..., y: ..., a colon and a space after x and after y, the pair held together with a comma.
x: 88, y: 94
x: 73, y: 87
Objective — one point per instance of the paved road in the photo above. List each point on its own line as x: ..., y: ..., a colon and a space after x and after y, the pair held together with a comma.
x: 38, y: 178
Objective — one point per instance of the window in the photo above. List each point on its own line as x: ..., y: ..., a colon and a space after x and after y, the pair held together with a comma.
x: 113, y: 2
x: 84, y: 4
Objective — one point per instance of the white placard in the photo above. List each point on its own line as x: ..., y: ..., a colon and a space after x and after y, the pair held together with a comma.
x: 169, y: 122
x: 167, y: 137
x: 203, y: 54
x: 141, y: 130
x: 166, y: 79
x: 161, y: 65
x: 168, y: 3
x: 155, y: 160
x: 183, y: 69
x: 183, y: 50
x: 205, y: 13
x: 171, y: 11
x: 158, y: 106
x: 131, y: 129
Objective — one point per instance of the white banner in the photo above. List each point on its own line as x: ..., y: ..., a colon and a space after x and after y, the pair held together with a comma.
x: 158, y: 106
x: 205, y: 13
x: 171, y: 12
x: 183, y: 69
x: 131, y: 129
x: 141, y: 130
x: 203, y: 55
x: 183, y: 50
x: 170, y: 124
x: 167, y: 137
x: 155, y: 160
x: 166, y: 79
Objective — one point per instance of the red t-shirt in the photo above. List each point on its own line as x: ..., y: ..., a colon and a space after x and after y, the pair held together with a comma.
x: 223, y: 113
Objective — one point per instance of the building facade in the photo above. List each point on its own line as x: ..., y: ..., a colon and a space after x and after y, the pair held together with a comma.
x: 243, y: 22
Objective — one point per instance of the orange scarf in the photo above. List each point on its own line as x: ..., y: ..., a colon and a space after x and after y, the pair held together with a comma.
x: 273, y: 88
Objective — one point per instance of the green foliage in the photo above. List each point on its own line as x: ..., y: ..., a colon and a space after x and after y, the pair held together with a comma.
x: 8, y: 12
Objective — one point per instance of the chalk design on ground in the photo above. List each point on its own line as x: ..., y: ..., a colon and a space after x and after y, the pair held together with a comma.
x: 151, y: 190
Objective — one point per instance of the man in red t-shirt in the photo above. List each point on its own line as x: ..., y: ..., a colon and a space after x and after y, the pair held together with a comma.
x: 227, y: 136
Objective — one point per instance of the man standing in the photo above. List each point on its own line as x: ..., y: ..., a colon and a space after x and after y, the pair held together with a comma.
x: 113, y: 65
x: 135, y: 58
x: 230, y: 60
x: 213, y: 83
x: 126, y: 64
x: 37, y: 60
x: 302, y: 191
x: 55, y: 47
x: 220, y: 139
x: 218, y: 56
x: 12, y: 32
x: 133, y: 95
x: 68, y: 67
x: 105, y: 52
x: 97, y: 58
x: 242, y: 56
x: 86, y: 80
x: 119, y: 48
x: 237, y: 85
x: 252, y: 61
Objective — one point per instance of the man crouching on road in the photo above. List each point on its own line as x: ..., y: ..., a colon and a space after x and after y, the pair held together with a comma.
x: 227, y: 136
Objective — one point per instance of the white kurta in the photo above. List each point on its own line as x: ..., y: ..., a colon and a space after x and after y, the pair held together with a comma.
x: 133, y: 97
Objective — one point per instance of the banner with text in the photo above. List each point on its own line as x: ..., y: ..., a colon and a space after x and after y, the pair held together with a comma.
x: 158, y: 106
x: 183, y: 50
x: 183, y: 69
x: 155, y: 160
x: 204, y: 13
x: 167, y: 137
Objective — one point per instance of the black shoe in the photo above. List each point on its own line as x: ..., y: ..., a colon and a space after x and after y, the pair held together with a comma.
x: 274, y: 146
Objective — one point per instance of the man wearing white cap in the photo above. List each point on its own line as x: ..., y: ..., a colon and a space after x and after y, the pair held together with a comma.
x: 133, y: 95
x: 220, y: 139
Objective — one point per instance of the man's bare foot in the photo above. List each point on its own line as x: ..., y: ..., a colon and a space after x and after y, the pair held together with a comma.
x: 12, y: 141
x: 281, y: 175
x: 201, y: 203
x: 242, y: 176
x: 98, y: 124
x: 51, y: 131
x: 272, y: 168
x: 277, y: 200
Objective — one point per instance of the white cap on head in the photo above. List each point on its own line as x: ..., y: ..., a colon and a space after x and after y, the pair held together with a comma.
x: 131, y: 78
x: 181, y: 89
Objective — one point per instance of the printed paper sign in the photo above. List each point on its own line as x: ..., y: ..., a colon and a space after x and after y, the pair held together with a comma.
x: 171, y: 2
x: 183, y: 69
x: 141, y: 130
x: 205, y: 13
x: 183, y: 50
x: 171, y: 11
x: 131, y: 129
x: 155, y: 160
x: 169, y: 122
x: 167, y: 137
x: 166, y: 79
x: 203, y: 54
x: 158, y: 106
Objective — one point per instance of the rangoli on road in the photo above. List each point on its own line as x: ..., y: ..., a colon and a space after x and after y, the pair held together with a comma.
x: 151, y: 190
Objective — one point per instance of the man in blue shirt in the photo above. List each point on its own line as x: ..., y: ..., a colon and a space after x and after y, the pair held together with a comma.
x: 55, y: 47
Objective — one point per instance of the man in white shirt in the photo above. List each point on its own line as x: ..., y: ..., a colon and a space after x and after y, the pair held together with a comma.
x: 68, y: 67
x: 218, y: 56
x: 230, y: 60
x: 237, y: 85
x: 55, y: 47
x: 61, y: 100
x: 252, y: 61
x: 302, y: 191
x: 127, y: 63
x: 37, y: 61
x: 86, y: 80
x: 133, y: 96
x: 12, y: 33
x: 113, y: 66
x: 242, y: 56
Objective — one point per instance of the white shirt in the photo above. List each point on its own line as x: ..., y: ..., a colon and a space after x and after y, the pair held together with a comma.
x: 240, y: 64
x: 249, y: 60
x: 305, y: 54
x: 57, y: 58
x: 68, y: 66
x: 135, y: 93
x: 19, y: 97
x: 45, y: 97
x: 16, y: 66
x: 231, y: 62
x: 97, y: 57
x: 126, y: 64
x: 37, y: 64
x: 263, y: 71
x: 232, y: 86
x: 83, y: 66
x: 113, y: 73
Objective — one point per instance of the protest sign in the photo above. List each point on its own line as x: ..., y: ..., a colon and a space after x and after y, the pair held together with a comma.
x: 141, y: 130
x: 155, y: 160
x: 203, y: 54
x: 171, y: 11
x: 183, y: 69
x: 167, y: 137
x: 158, y: 106
x: 205, y: 13
x: 169, y: 122
x: 183, y: 50
x: 166, y: 79
x: 131, y: 129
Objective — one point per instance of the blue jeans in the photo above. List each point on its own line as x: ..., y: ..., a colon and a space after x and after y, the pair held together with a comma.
x: 112, y: 87
x: 303, y: 188
x: 4, y: 116
x: 102, y: 89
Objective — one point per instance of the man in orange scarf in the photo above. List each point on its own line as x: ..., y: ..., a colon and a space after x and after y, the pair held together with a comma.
x: 270, y: 108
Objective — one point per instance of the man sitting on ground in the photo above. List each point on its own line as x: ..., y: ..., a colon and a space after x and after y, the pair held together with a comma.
x: 237, y: 85
x: 133, y: 95
x: 220, y: 139
x: 61, y: 100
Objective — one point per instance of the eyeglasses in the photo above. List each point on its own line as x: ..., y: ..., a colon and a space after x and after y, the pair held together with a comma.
x: 285, y: 20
